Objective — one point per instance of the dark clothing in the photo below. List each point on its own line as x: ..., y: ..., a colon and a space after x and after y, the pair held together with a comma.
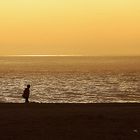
x: 26, y: 94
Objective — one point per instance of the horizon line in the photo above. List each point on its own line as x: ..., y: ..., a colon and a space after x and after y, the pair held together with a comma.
x: 39, y: 55
x: 69, y: 55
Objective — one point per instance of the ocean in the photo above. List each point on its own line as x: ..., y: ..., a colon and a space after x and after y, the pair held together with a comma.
x: 70, y: 79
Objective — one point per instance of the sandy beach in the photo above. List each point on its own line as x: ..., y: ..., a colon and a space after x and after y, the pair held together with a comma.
x: 69, y: 121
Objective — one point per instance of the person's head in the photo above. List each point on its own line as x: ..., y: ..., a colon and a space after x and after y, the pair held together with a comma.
x: 28, y: 86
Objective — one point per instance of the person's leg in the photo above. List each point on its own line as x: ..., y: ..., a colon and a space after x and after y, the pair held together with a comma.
x: 26, y: 101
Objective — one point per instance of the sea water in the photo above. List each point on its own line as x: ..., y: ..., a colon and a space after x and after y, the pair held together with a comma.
x: 70, y: 79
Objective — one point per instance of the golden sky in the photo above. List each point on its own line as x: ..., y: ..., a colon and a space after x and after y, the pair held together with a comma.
x: 70, y: 27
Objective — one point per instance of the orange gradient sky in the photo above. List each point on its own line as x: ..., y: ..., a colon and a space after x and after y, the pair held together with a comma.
x: 70, y: 27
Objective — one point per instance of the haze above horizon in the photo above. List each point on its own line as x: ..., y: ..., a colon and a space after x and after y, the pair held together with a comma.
x: 70, y: 28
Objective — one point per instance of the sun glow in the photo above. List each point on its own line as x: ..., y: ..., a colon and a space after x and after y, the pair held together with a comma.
x: 79, y: 27
x: 43, y: 55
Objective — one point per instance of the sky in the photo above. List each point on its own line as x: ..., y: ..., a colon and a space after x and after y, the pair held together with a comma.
x: 70, y: 27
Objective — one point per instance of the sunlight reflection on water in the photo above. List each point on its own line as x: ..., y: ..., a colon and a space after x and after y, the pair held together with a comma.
x: 68, y: 80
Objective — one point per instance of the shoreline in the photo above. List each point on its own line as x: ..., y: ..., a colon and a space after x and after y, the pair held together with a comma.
x: 98, y: 121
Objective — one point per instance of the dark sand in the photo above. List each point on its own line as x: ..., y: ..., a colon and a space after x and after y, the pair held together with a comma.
x: 69, y: 121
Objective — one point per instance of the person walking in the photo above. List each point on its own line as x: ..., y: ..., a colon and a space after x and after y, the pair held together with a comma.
x: 26, y: 94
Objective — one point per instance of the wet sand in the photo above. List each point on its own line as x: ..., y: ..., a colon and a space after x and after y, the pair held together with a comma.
x: 69, y: 121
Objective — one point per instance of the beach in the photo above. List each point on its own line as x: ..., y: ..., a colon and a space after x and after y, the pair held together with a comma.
x: 113, y: 121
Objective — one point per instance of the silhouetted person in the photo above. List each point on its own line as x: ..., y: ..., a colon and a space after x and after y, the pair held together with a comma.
x: 26, y: 94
